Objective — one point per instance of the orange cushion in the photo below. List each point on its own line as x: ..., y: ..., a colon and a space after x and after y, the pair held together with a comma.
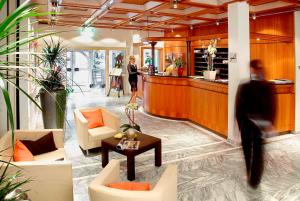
x: 94, y: 118
x: 131, y: 186
x: 21, y: 152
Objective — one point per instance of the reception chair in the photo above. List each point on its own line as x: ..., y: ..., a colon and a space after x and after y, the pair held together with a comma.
x: 91, y: 138
x: 164, y: 190
x: 50, y: 174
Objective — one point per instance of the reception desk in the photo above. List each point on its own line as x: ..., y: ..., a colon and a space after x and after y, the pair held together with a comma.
x: 204, y: 102
x: 199, y: 101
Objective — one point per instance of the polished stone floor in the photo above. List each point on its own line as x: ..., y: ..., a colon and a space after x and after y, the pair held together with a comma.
x: 208, y: 167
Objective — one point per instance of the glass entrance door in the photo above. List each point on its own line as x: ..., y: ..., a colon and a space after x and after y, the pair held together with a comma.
x: 86, y: 69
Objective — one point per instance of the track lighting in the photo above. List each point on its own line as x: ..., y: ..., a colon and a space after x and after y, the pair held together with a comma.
x: 100, y: 12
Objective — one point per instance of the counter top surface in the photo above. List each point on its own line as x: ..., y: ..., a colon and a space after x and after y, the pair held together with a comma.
x: 219, y: 81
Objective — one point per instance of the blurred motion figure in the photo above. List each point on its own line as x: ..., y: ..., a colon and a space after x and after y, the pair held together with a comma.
x: 255, y: 109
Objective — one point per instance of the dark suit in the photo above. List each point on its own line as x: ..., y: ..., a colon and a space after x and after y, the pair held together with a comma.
x: 254, y: 101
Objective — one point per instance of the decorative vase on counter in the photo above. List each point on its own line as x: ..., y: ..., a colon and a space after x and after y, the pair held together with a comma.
x: 209, y: 75
x: 180, y: 72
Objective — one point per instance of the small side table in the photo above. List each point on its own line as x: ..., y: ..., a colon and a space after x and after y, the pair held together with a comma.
x: 147, y: 142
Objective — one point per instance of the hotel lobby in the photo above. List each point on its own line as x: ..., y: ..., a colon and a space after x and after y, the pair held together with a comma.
x: 154, y: 100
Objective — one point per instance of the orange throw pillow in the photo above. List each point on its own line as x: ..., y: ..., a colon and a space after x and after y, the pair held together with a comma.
x: 131, y: 186
x: 21, y: 152
x: 94, y: 118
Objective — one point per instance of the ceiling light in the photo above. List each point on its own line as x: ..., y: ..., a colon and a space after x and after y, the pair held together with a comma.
x: 88, y: 32
x: 174, y: 3
x: 254, y: 16
x: 191, y: 27
x: 258, y: 39
x: 217, y: 23
x: 130, y: 21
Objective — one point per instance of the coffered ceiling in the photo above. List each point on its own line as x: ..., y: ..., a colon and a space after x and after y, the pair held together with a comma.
x: 154, y: 14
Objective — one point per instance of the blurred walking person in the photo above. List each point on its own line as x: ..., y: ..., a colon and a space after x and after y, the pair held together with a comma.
x: 255, y: 110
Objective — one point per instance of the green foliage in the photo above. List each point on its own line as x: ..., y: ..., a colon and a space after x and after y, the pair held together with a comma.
x: 179, y: 63
x: 126, y: 127
x: 53, y: 60
x: 10, y: 184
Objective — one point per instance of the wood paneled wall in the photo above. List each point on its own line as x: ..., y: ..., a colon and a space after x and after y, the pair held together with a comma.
x: 278, y: 57
x: 279, y: 25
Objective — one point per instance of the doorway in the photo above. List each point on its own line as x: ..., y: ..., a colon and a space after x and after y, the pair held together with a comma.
x: 86, y: 69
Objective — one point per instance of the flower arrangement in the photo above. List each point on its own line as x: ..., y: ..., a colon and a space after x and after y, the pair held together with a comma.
x: 179, y: 63
x: 119, y: 60
x: 210, y: 54
x: 131, y: 128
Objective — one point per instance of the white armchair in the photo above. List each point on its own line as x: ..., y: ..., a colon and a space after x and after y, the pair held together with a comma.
x: 91, y: 138
x: 51, y: 177
x: 164, y: 190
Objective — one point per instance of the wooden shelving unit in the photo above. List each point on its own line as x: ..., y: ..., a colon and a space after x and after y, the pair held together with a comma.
x: 220, y: 62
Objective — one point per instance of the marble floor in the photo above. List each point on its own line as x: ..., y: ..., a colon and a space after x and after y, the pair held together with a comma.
x: 209, y: 168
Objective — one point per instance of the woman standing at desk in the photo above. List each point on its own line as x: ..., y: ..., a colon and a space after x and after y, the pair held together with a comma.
x: 133, y: 78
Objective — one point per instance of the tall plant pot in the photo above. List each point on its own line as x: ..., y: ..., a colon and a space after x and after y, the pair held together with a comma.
x: 53, y: 108
x: 209, y: 75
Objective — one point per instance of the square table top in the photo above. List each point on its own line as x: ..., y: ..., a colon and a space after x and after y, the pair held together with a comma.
x: 146, y: 142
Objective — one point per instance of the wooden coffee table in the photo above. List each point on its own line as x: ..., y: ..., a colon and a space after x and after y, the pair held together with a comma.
x: 147, y: 142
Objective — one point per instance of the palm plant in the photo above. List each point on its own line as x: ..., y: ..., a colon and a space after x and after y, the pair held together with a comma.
x: 53, y: 81
x: 10, y: 25
x: 53, y: 60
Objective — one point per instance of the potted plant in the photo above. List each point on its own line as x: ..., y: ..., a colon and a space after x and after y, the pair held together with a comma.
x: 53, y: 94
x: 11, y: 183
x: 131, y: 129
x: 209, y: 55
x: 179, y: 63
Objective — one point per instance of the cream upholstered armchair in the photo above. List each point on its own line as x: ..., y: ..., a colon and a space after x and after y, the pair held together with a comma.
x: 164, y: 190
x: 91, y: 138
x: 50, y: 173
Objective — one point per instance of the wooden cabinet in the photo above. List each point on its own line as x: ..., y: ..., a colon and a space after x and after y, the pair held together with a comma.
x: 285, y: 108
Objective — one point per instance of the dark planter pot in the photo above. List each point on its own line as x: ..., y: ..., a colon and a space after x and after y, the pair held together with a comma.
x: 53, y: 108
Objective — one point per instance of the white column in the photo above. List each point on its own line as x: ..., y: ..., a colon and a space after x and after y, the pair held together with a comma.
x: 297, y: 71
x: 239, y: 58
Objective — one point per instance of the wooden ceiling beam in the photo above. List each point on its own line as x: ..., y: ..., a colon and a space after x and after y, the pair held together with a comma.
x: 147, y: 12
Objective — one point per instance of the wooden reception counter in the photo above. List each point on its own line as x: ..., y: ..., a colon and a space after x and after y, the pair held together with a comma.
x: 204, y: 102
x: 200, y: 101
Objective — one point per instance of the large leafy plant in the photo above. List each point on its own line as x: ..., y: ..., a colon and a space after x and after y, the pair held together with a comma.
x: 11, y: 25
x: 53, y: 61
